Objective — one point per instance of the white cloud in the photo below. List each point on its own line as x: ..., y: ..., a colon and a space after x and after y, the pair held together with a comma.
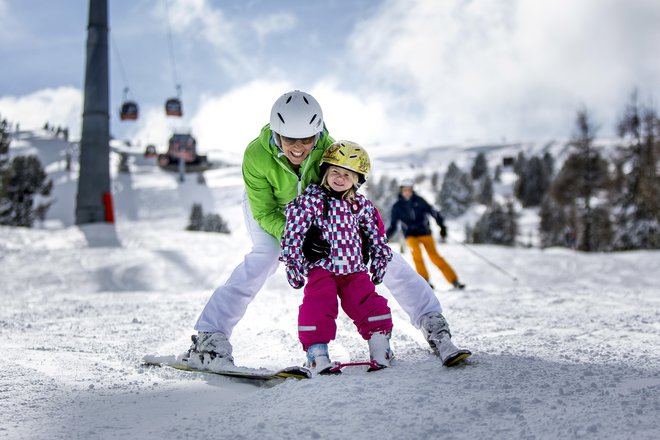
x: 507, y: 68
x: 60, y: 106
x: 273, y: 24
x: 350, y: 116
x: 229, y: 122
x: 200, y: 20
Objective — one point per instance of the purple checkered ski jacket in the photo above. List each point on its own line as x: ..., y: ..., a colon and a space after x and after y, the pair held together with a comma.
x: 340, y: 226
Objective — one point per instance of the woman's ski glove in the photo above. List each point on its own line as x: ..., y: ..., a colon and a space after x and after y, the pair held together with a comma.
x: 294, y: 275
x: 314, y: 247
x: 377, y: 269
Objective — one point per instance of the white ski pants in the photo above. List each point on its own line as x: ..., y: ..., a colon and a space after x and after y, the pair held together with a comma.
x: 229, y: 302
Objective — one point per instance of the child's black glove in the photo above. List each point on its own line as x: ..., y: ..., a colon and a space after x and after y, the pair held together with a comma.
x: 314, y: 246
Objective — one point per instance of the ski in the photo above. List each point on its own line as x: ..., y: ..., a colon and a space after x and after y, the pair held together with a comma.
x: 260, y: 375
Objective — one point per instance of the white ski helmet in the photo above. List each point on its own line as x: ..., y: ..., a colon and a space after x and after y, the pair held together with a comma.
x: 296, y: 115
x: 407, y: 183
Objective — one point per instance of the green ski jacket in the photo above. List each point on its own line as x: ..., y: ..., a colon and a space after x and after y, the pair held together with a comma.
x: 270, y: 181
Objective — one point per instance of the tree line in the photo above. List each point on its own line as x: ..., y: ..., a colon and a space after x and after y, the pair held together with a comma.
x: 591, y: 203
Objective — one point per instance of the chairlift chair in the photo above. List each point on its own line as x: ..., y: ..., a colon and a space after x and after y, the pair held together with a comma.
x: 173, y: 107
x: 129, y: 111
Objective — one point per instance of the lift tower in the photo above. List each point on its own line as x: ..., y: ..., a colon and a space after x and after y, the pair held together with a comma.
x: 94, y: 200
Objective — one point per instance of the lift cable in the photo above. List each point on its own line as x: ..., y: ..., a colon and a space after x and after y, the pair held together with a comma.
x: 121, y: 69
x: 171, y: 49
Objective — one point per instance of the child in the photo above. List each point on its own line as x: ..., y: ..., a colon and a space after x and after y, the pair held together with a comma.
x: 345, y: 219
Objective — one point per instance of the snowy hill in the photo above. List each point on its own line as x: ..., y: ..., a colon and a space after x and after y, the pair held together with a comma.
x: 570, y: 350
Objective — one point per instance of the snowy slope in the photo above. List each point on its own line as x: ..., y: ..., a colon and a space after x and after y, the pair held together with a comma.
x: 570, y: 350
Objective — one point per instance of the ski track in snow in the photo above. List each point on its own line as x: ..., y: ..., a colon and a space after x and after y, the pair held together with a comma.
x: 569, y: 351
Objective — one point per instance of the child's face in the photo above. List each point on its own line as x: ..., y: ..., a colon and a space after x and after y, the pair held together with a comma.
x: 340, y: 179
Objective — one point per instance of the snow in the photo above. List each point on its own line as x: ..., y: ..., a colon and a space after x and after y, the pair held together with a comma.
x: 571, y: 350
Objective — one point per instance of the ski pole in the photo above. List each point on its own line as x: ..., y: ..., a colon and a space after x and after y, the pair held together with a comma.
x: 484, y: 258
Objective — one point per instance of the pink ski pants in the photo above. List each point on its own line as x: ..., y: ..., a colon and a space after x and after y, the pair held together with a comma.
x: 319, y: 309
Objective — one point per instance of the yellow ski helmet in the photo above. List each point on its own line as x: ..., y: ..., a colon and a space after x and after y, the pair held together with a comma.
x: 348, y: 155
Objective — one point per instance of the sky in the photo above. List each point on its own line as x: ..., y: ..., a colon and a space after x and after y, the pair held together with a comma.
x: 386, y: 72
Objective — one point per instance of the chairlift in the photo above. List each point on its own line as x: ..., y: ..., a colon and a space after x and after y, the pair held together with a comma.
x: 173, y: 107
x: 129, y: 109
x: 150, y: 151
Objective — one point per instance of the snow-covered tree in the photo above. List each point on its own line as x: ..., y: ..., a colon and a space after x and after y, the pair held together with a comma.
x: 498, y: 225
x: 485, y: 194
x: 533, y: 182
x: 557, y: 223
x: 383, y: 194
x: 637, y: 188
x: 456, y: 193
x: 520, y: 163
x: 206, y: 223
x: 22, y: 182
x: 582, y: 183
x: 196, y: 218
x: 215, y: 223
x: 4, y: 160
x: 479, y: 167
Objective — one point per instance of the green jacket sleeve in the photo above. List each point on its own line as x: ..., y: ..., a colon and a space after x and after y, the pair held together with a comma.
x: 265, y: 209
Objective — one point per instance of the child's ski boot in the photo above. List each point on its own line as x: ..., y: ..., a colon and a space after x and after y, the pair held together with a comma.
x: 379, y: 351
x: 318, y: 360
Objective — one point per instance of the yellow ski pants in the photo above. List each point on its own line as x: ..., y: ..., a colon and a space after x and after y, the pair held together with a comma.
x: 415, y: 244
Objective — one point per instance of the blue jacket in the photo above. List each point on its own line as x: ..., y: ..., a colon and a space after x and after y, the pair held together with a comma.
x: 413, y: 215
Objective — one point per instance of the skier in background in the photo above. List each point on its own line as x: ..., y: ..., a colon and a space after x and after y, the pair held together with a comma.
x: 277, y: 166
x: 350, y: 224
x: 413, y: 212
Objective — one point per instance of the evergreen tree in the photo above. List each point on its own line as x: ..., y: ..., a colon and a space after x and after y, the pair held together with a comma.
x: 196, y: 218
x: 456, y: 192
x: 215, y: 223
x: 206, y: 223
x: 383, y: 195
x: 479, y: 167
x: 637, y: 192
x: 555, y: 227
x: 4, y: 160
x: 520, y: 163
x: 533, y: 182
x: 581, y: 179
x: 485, y: 196
x: 549, y: 165
x: 22, y: 181
x: 498, y: 225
